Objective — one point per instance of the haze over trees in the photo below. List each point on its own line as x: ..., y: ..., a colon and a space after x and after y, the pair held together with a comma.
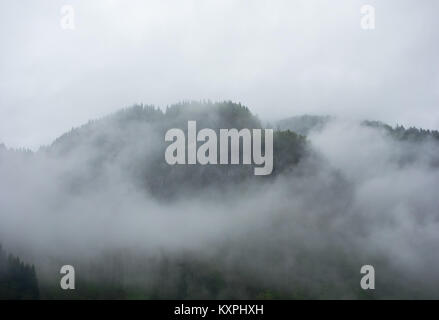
x: 102, y: 198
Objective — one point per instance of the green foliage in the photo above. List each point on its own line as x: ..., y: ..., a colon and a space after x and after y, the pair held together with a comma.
x: 17, y: 279
x: 304, y: 124
x: 136, y: 135
x: 400, y: 133
x: 289, y: 148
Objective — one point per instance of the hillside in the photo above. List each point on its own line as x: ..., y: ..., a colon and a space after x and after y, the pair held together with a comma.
x: 132, y: 141
x: 102, y: 198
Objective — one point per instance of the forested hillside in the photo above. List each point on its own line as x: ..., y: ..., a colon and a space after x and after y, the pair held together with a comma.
x: 135, y: 135
x: 102, y: 198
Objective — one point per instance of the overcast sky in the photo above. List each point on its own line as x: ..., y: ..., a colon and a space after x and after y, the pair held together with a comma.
x: 279, y: 57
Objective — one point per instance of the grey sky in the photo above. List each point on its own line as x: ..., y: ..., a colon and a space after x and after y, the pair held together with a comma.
x: 279, y: 57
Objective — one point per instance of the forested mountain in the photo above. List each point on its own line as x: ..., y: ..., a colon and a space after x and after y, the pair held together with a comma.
x: 133, y: 141
x: 102, y: 198
x: 306, y: 124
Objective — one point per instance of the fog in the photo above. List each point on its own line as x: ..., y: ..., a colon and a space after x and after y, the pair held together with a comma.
x: 357, y: 197
x: 281, y: 57
x: 102, y: 198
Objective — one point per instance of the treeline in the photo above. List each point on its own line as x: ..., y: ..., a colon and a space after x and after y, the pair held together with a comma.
x: 134, y: 139
x: 405, y: 134
x: 304, y: 124
x: 17, y: 279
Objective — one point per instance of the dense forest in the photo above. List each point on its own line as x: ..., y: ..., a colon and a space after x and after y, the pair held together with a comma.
x: 149, y: 124
x: 136, y: 227
x: 17, y: 279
